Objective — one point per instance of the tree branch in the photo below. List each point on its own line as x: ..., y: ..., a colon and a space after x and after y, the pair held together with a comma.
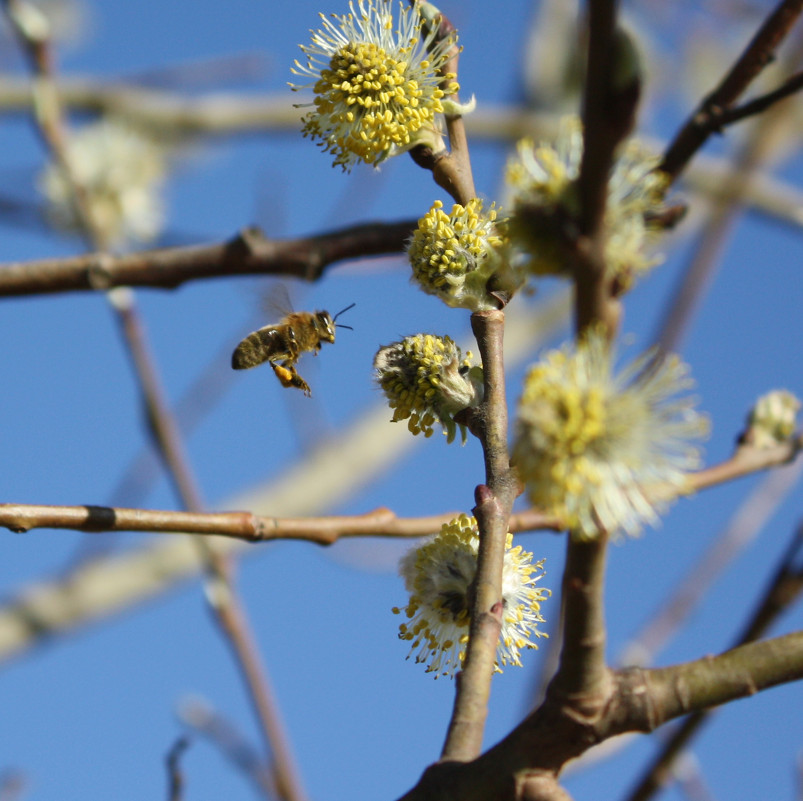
x: 494, y: 501
x: 610, y: 97
x: 705, y: 119
x: 746, y: 460
x: 582, y: 675
x: 638, y: 700
x: 711, y: 681
x: 758, y: 105
x: 382, y: 522
x: 735, y: 187
x: 249, y: 253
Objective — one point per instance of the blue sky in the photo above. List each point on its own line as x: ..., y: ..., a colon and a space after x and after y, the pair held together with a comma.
x: 93, y: 715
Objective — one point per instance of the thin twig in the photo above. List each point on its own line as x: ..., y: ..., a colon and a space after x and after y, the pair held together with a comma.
x: 705, y: 119
x: 460, y: 175
x: 201, y: 718
x: 790, y: 86
x: 245, y: 526
x: 706, y: 257
x: 746, y: 460
x: 450, y: 170
x: 161, y: 422
x: 380, y: 522
x: 175, y: 777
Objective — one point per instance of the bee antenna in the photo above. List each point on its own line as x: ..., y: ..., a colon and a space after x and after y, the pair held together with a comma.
x: 343, y: 326
x: 341, y: 312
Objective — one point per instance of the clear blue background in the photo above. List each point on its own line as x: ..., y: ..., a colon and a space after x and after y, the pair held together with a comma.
x: 92, y: 715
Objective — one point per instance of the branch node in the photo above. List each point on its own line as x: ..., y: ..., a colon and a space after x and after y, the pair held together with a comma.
x: 483, y: 495
x: 252, y: 240
x: 99, y: 272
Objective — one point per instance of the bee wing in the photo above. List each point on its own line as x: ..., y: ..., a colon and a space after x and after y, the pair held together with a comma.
x: 276, y: 302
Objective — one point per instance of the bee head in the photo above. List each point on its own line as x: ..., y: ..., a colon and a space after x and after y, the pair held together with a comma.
x: 325, y: 326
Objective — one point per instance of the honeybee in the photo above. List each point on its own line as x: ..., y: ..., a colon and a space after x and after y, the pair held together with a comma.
x: 282, y: 344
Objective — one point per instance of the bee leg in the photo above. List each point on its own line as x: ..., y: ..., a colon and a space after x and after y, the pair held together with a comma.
x: 288, y: 377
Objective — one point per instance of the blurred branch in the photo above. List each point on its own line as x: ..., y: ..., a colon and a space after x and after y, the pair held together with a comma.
x: 760, y: 104
x: 582, y: 680
x: 246, y: 526
x: 232, y: 620
x: 226, y: 114
x: 184, y: 115
x: 249, y: 253
x: 204, y: 72
x: 689, y: 776
x: 745, y: 460
x: 706, y: 118
x: 200, y: 718
x: 735, y: 187
x: 610, y: 96
x: 745, y: 523
x: 175, y: 777
x: 784, y: 588
x: 12, y: 785
x: 709, y: 177
x: 161, y: 423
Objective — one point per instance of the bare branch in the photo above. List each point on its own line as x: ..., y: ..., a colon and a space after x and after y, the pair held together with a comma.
x: 249, y: 253
x: 746, y: 460
x: 711, y: 681
x: 735, y: 187
x: 581, y: 672
x: 790, y: 86
x: 246, y: 526
x: 705, y: 119
x: 494, y: 501
x: 636, y: 700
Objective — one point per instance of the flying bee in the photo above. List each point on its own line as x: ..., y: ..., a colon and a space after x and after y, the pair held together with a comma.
x: 283, y: 343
